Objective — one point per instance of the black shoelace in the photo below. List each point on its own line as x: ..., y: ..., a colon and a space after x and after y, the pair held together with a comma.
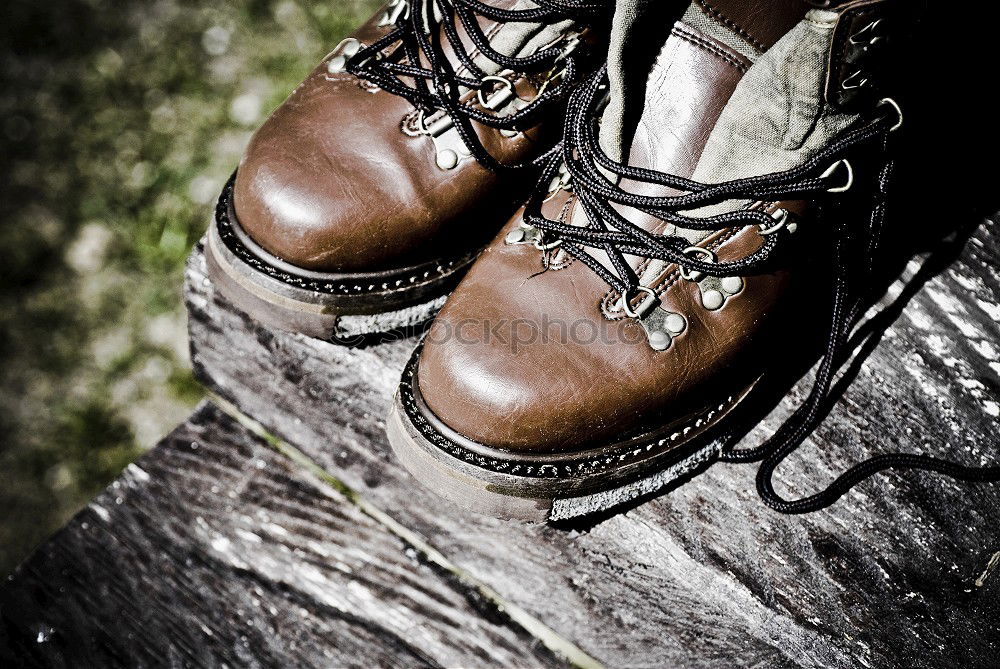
x: 816, y: 178
x: 438, y: 86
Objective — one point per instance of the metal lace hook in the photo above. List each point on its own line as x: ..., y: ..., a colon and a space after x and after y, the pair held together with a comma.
x: 833, y: 168
x: 547, y: 247
x: 895, y: 105
x: 644, y: 306
x: 342, y: 54
x: 422, y: 123
x: 697, y: 250
x: 780, y: 217
x: 503, y: 81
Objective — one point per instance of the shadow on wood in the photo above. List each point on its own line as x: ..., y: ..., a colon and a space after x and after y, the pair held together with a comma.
x: 213, y: 549
x: 231, y: 552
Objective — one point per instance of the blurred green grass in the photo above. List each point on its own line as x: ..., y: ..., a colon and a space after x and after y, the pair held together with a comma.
x: 120, y: 120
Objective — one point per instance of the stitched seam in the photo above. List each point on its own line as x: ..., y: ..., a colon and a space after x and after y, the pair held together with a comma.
x: 711, y: 47
x: 729, y: 23
x: 362, y: 285
x: 616, y: 457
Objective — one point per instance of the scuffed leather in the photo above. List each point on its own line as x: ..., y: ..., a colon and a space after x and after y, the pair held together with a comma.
x: 557, y: 394
x: 331, y: 182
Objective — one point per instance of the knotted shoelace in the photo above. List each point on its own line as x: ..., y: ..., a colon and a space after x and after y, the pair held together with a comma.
x: 818, y: 178
x: 439, y: 87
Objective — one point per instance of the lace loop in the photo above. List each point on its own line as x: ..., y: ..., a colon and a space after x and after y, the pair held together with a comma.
x: 607, y: 230
x: 643, y: 307
x: 415, y: 50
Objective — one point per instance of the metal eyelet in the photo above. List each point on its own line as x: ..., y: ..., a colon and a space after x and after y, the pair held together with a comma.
x: 393, y: 12
x: 523, y: 234
x: 663, y: 327
x: 863, y: 32
x: 559, y: 182
x: 696, y: 275
x: 858, y: 74
x: 781, y: 220
x: 895, y: 105
x: 715, y: 291
x: 648, y: 303
x: 498, y: 97
x: 346, y: 50
x: 833, y: 168
x: 449, y: 148
x: 547, y: 247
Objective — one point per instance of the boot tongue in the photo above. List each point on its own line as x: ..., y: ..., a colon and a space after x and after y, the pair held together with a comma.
x: 761, y: 133
x: 661, y: 122
x: 775, y: 119
x: 744, y: 28
x: 689, y: 84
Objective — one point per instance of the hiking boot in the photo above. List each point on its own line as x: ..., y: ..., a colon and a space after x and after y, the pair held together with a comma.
x: 366, y: 194
x: 598, y: 349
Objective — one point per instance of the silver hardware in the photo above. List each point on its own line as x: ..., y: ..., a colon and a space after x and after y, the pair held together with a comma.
x: 781, y: 220
x: 393, y: 12
x: 525, y: 234
x: 517, y: 236
x: 869, y: 28
x: 346, y: 50
x: 712, y: 299
x: 547, y: 247
x: 715, y: 291
x: 529, y: 234
x: 732, y: 284
x: 899, y: 110
x: 499, y: 96
x: 850, y: 176
x: 336, y: 65
x: 559, y: 182
x: 647, y: 303
x: 848, y: 84
x: 449, y: 148
x: 447, y: 159
x: 659, y: 341
x: 662, y: 327
x: 697, y: 250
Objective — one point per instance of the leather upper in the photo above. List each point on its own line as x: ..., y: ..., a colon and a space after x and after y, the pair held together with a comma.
x: 534, y: 353
x: 338, y: 179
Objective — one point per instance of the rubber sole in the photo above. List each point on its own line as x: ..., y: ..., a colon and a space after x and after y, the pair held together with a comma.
x: 558, y: 487
x: 337, y: 307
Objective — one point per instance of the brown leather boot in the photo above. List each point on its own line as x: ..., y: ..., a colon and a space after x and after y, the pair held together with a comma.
x: 597, y: 350
x: 365, y: 195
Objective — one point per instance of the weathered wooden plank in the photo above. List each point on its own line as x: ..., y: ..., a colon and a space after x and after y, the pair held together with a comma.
x: 212, y: 550
x: 706, y: 575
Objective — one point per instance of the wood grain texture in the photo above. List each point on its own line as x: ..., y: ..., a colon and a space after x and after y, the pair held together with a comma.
x: 706, y: 575
x: 212, y: 550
